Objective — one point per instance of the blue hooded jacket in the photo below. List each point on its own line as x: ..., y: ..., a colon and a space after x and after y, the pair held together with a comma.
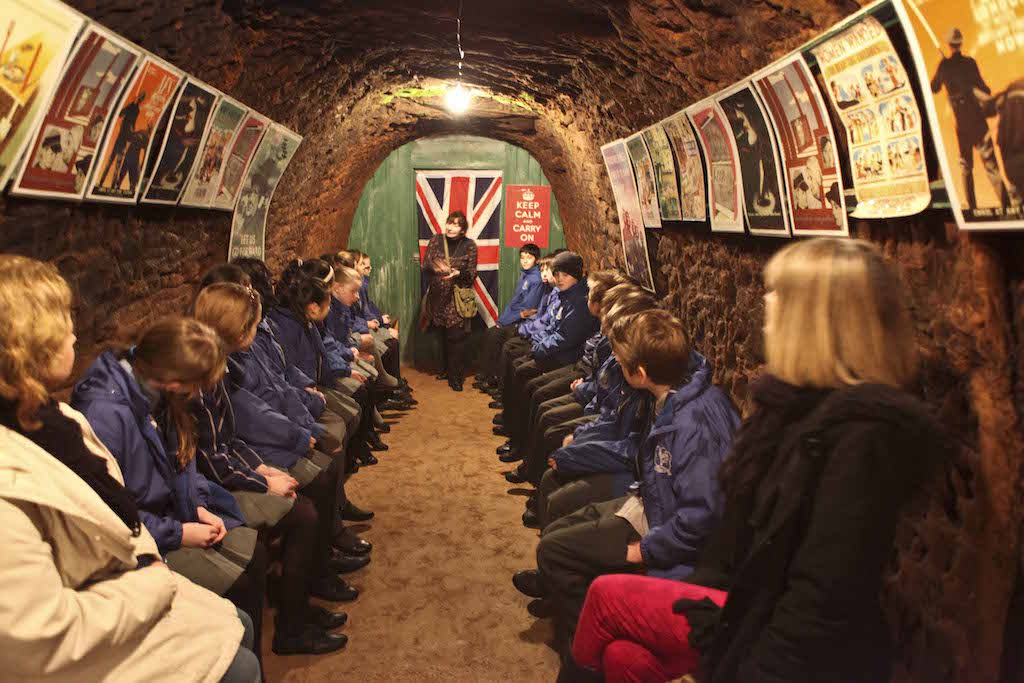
x: 266, y: 356
x: 528, y: 293
x: 545, y: 310
x: 167, y: 495
x: 304, y: 347
x: 595, y: 352
x: 573, y: 323
x: 278, y: 439
x: 677, y: 465
x: 368, y: 309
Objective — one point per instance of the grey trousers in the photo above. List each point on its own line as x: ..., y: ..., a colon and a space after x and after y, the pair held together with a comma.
x: 559, y: 495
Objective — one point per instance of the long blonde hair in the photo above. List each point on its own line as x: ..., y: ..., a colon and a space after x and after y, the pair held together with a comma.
x: 35, y: 321
x: 183, y: 350
x: 839, y: 316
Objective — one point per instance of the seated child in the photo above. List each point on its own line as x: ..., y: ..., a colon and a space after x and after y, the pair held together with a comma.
x: 524, y: 303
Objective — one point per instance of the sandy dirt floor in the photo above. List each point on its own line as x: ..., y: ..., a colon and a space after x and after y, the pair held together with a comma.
x: 438, y: 602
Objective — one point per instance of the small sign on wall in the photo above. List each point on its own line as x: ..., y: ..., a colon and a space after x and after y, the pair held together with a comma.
x: 527, y: 215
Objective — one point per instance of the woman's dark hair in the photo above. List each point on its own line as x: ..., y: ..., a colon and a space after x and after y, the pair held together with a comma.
x: 303, y: 283
x: 225, y: 272
x: 459, y: 218
x: 259, y: 276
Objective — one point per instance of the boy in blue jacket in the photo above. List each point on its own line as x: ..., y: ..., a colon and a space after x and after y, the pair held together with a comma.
x: 560, y: 344
x: 661, y: 526
x: 524, y: 303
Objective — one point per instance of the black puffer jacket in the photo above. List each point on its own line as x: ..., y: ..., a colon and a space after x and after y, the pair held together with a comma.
x: 803, y: 558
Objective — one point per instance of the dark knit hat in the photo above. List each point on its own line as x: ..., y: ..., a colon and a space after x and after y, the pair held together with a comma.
x: 568, y: 262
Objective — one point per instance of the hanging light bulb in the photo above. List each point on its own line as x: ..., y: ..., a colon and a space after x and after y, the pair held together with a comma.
x: 457, y: 99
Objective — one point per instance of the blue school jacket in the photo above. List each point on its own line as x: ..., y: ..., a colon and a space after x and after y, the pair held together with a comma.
x: 677, y: 465
x: 304, y: 347
x: 268, y: 357
x: 595, y: 352
x: 268, y: 385
x: 572, y: 324
x: 528, y: 292
x: 545, y: 309
x: 167, y: 495
x: 367, y: 308
x: 278, y: 439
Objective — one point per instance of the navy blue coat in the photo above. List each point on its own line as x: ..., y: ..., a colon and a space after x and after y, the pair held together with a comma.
x: 270, y: 355
x: 167, y: 495
x: 529, y: 290
x: 677, y: 466
x: 562, y: 342
x: 220, y: 454
x: 339, y: 322
x: 545, y: 311
x: 595, y: 352
x: 304, y: 347
x: 367, y: 309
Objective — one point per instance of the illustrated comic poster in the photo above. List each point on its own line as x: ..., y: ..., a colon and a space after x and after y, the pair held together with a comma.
x: 205, y: 180
x: 869, y: 89
x: 764, y: 202
x: 61, y: 156
x: 971, y: 54
x: 664, y: 173
x: 725, y: 196
x: 249, y: 223
x: 646, y: 186
x: 184, y: 136
x: 126, y: 146
x: 807, y: 144
x: 242, y: 149
x: 691, y: 170
x: 37, y: 37
x: 634, y: 239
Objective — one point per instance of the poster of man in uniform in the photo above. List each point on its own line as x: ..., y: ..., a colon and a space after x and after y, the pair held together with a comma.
x: 645, y: 183
x: 691, y: 169
x: 808, y: 147
x: 126, y: 147
x: 870, y: 90
x: 61, y: 157
x: 634, y: 239
x: 664, y: 173
x: 242, y: 149
x: 760, y: 169
x: 971, y: 54
x: 249, y: 223
x: 184, y: 136
x: 205, y: 180
x: 37, y: 37
x: 726, y: 194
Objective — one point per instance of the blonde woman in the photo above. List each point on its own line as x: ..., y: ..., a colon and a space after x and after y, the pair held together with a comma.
x: 787, y: 588
x: 84, y: 595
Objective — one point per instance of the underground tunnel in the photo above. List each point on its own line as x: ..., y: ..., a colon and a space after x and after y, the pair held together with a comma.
x: 364, y: 84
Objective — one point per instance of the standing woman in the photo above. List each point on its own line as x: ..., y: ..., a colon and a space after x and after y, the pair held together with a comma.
x: 85, y: 594
x: 450, y: 261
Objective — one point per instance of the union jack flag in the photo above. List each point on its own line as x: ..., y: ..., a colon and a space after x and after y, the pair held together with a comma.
x: 478, y: 195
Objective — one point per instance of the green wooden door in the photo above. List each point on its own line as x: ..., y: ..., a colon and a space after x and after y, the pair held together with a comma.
x: 385, y: 227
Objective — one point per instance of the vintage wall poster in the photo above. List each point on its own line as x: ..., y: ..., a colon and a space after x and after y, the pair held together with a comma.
x: 809, y: 158
x: 242, y: 149
x: 61, y: 157
x: 725, y: 194
x: 664, y: 173
x: 184, y: 136
x: 205, y: 179
x: 971, y: 53
x: 646, y: 186
x: 691, y: 169
x: 527, y: 215
x: 38, y: 35
x: 870, y: 91
x: 249, y: 223
x: 634, y: 239
x: 764, y: 200
x: 126, y: 146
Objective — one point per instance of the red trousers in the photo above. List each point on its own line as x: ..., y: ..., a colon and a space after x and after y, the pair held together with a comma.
x: 627, y: 629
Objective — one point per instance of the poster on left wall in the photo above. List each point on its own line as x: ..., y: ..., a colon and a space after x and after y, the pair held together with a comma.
x: 634, y: 239
x: 127, y: 144
x: 249, y: 222
x: 61, y: 157
x: 38, y: 38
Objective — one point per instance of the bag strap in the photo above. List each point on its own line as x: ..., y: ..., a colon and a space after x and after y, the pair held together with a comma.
x: 445, y: 243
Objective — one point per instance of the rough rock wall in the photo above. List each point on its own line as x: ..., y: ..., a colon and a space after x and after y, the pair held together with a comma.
x: 587, y: 71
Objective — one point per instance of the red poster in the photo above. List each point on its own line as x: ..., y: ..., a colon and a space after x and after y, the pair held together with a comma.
x: 527, y: 215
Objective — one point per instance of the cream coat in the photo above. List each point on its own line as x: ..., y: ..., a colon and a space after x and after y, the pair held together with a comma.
x: 72, y: 605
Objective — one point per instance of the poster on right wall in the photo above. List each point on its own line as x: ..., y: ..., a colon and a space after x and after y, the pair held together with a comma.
x: 692, y: 195
x: 725, y: 193
x: 634, y: 239
x: 866, y: 82
x: 808, y: 147
x: 971, y: 54
x: 646, y: 185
